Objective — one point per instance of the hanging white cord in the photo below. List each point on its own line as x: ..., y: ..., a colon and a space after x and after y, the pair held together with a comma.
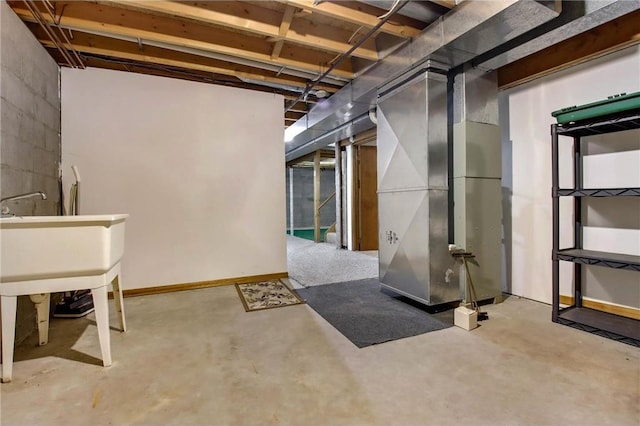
x: 390, y: 10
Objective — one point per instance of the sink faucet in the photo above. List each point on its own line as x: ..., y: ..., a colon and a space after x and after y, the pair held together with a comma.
x: 27, y: 195
x: 5, y: 209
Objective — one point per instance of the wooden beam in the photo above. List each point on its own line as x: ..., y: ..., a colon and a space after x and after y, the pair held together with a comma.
x: 143, y: 68
x: 327, y: 153
x: 603, y: 39
x: 300, y: 107
x: 353, y: 189
x: 308, y: 157
x: 80, y: 16
x: 182, y: 74
x: 302, y: 104
x: 105, y: 46
x: 329, y: 198
x: 365, y: 137
x: 287, y: 17
x: 625, y: 311
x: 338, y: 184
x: 338, y: 11
x: 248, y: 24
x: 294, y: 115
x: 316, y: 196
x: 145, y: 291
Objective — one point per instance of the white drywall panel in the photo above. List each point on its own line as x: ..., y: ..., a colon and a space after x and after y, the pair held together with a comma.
x: 612, y: 170
x: 525, y: 113
x: 198, y: 167
x: 614, y: 240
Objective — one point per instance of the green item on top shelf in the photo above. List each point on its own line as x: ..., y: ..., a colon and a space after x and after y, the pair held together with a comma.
x: 612, y: 105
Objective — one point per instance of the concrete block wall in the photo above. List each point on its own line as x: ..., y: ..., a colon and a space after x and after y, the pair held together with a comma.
x: 30, y: 120
x: 303, y: 197
x: 29, y: 130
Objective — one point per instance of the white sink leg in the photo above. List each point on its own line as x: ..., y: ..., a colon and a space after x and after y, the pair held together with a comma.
x: 117, y: 296
x: 42, y: 312
x: 8, y: 305
x: 101, y: 305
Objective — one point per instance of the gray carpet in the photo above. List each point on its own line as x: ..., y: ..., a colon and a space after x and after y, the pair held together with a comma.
x: 315, y: 264
x: 367, y: 315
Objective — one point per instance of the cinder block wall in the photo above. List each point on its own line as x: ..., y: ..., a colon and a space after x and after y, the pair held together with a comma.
x: 303, y: 197
x: 29, y: 130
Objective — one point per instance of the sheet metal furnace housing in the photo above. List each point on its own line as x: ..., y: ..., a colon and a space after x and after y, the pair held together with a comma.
x: 413, y: 197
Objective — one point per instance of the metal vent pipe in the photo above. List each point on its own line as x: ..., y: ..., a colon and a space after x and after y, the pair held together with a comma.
x: 470, y: 29
x: 489, y: 34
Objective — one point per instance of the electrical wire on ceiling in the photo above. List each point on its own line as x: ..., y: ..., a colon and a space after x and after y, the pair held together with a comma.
x: 157, y: 67
x: 390, y: 10
x: 70, y: 55
x: 355, y: 33
x: 175, y: 71
x: 399, y: 4
x: 51, y: 8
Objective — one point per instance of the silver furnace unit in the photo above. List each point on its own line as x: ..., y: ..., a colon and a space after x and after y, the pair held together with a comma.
x: 414, y: 259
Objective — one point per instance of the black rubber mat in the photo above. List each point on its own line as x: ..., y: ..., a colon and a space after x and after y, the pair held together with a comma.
x: 367, y: 315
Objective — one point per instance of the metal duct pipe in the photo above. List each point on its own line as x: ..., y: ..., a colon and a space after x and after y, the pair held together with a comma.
x: 344, y: 131
x: 397, y: 6
x: 472, y: 28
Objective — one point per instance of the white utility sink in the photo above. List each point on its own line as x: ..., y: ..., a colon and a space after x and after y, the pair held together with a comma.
x: 46, y: 254
x: 35, y: 247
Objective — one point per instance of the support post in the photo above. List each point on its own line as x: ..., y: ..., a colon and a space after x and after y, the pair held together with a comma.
x: 555, y: 266
x: 338, y: 178
x: 316, y: 196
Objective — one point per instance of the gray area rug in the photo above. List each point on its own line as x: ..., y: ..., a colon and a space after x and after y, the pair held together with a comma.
x: 367, y: 315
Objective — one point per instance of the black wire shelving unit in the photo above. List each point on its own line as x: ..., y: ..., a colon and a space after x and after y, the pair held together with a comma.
x: 623, y: 329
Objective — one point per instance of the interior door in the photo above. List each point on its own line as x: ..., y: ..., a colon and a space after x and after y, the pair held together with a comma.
x: 367, y: 198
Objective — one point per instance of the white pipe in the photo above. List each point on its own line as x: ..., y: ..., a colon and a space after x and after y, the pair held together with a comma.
x: 74, y: 168
x: 75, y: 197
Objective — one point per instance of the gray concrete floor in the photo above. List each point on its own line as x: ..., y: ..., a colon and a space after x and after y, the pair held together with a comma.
x: 197, y: 357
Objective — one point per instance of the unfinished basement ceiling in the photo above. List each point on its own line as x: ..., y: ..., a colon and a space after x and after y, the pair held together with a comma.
x: 349, y: 48
x: 274, y: 46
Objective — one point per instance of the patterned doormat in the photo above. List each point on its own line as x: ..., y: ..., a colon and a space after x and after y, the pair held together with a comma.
x: 266, y: 295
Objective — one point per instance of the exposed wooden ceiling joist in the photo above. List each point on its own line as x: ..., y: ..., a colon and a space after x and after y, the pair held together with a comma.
x: 275, y: 46
x: 298, y: 110
x: 98, y: 45
x: 247, y: 18
x: 342, y: 11
x: 100, y: 19
x: 166, y: 71
x: 294, y: 115
x: 326, y: 155
x: 287, y: 16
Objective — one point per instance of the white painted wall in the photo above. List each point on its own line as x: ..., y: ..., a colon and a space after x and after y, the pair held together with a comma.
x: 614, y: 159
x: 198, y: 167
